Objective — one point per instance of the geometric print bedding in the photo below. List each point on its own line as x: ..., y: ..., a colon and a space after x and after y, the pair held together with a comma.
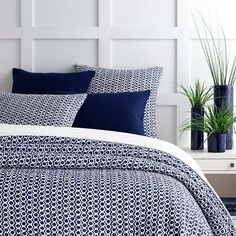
x: 114, y: 81
x: 69, y: 186
x: 46, y: 110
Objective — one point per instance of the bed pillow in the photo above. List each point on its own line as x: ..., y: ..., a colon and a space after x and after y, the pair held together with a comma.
x: 28, y: 109
x: 112, y: 80
x: 50, y: 83
x: 122, y: 112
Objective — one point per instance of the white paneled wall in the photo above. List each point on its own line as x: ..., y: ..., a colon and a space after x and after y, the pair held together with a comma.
x: 51, y: 35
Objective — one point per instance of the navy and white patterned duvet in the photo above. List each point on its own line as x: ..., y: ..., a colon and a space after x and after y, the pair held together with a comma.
x: 68, y: 186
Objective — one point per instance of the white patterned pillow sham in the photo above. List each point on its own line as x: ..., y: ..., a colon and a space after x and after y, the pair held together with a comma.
x: 46, y: 110
x: 113, y: 80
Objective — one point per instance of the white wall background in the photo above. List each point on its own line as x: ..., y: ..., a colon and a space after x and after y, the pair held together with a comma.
x: 51, y: 35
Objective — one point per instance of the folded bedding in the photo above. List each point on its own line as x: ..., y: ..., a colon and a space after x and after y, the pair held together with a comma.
x: 67, y: 181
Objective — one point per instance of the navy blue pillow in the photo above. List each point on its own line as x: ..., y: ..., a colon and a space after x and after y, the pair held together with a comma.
x: 50, y: 83
x: 122, y: 112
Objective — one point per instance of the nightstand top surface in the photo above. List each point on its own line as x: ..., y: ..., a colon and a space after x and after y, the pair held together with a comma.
x: 199, y: 154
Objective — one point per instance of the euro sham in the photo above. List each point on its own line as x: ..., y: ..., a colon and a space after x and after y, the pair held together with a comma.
x: 113, y: 80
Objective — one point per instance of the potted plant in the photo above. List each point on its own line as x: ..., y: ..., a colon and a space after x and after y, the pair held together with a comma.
x: 222, y: 69
x: 216, y: 124
x: 197, y: 96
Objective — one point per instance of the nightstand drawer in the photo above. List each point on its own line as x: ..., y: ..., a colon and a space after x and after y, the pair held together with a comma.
x: 217, y: 165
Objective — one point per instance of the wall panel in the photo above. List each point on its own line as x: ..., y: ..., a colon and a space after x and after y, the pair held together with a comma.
x: 147, y: 53
x: 64, y: 53
x: 167, y: 126
x: 61, y: 13
x: 11, y: 51
x: 198, y: 65
x: 144, y: 13
x: 10, y: 13
x: 220, y: 11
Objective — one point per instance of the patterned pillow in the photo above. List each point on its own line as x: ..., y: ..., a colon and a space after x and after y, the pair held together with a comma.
x: 31, y: 109
x: 112, y: 80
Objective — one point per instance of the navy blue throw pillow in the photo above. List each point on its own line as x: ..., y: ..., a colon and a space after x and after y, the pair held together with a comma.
x: 122, y: 112
x: 50, y: 83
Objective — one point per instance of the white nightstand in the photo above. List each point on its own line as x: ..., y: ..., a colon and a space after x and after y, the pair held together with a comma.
x: 215, y: 163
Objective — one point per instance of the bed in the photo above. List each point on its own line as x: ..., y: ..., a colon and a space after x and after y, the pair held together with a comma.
x: 75, y: 181
x: 80, y: 155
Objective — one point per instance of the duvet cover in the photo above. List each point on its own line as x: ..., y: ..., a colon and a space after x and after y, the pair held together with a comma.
x: 67, y: 181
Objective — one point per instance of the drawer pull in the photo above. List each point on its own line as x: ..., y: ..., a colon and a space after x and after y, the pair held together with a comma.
x: 232, y: 165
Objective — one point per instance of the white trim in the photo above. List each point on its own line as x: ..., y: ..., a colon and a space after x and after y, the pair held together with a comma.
x: 66, y: 33
x: 27, y: 9
x: 182, y: 64
x: 104, y: 44
x: 145, y: 33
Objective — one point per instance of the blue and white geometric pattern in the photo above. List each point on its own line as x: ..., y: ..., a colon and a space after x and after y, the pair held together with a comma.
x: 113, y: 81
x: 31, y: 109
x: 68, y: 186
